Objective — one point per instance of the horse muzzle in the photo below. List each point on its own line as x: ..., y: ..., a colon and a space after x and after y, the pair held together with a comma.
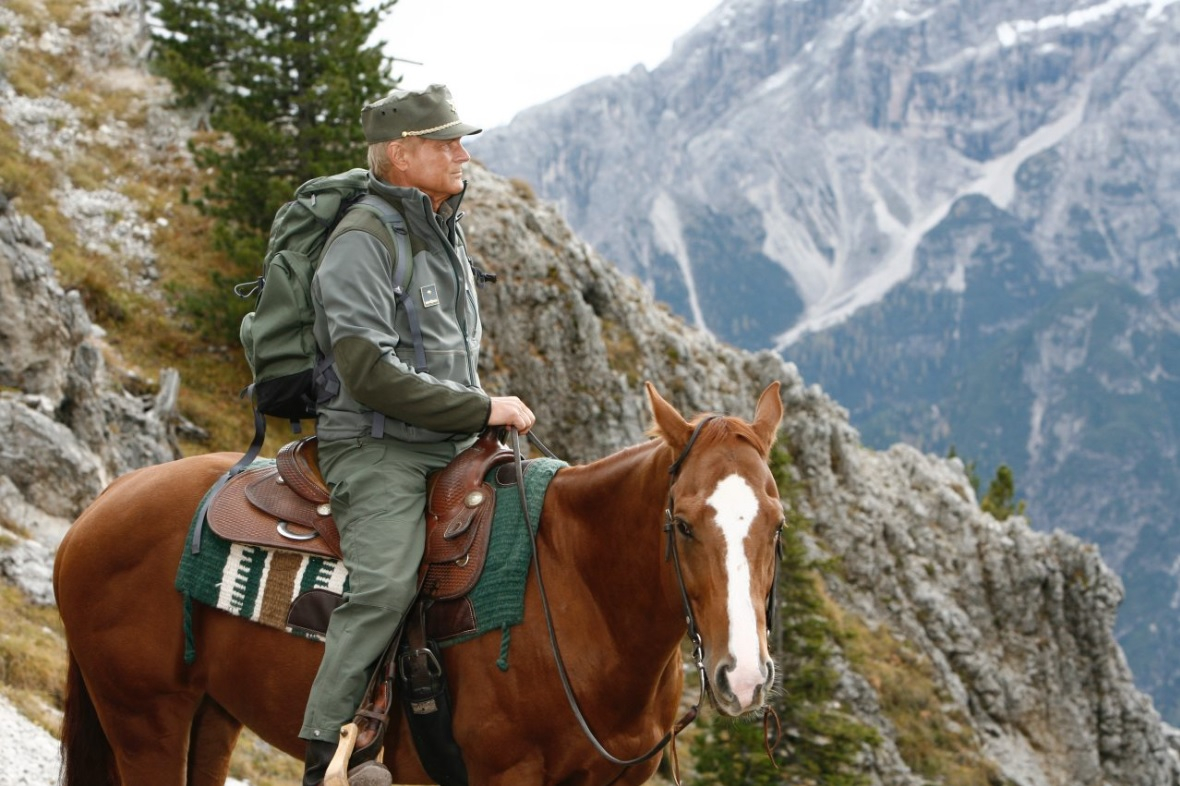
x: 737, y: 691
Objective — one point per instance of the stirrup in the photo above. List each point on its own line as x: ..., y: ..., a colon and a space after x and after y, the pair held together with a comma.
x: 369, y: 773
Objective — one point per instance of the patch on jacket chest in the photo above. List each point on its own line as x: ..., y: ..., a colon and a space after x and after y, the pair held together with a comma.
x: 429, y: 295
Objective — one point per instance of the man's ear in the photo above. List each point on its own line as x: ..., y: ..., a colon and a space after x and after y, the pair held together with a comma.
x: 398, y: 157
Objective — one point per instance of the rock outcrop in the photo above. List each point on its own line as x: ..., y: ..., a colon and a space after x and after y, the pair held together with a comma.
x: 68, y: 424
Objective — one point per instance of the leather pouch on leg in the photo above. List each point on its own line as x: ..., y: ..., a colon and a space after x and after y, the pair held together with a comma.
x: 427, y: 705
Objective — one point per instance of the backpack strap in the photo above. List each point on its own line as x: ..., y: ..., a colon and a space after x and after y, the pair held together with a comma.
x: 397, y: 242
x: 402, y: 269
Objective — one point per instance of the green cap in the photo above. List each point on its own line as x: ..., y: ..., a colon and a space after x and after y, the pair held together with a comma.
x: 428, y: 113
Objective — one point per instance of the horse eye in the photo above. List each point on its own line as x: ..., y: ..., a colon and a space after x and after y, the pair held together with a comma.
x: 684, y: 527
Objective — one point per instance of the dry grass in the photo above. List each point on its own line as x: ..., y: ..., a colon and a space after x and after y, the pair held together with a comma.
x: 32, y: 657
x: 933, y: 737
x: 622, y: 351
x: 262, y: 765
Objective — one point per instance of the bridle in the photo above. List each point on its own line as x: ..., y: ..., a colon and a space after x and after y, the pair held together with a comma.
x: 670, y: 522
x: 672, y: 552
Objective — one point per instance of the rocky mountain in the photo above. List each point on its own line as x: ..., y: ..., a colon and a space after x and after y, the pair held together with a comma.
x: 1011, y: 630
x: 957, y: 217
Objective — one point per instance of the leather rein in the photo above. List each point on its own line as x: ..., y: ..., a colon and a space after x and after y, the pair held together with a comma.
x: 672, y: 552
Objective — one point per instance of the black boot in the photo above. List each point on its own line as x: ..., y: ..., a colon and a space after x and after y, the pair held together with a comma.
x: 316, y: 760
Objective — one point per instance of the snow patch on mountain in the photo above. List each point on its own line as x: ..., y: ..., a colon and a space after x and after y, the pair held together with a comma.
x: 996, y: 180
x: 669, y: 238
x: 1010, y: 33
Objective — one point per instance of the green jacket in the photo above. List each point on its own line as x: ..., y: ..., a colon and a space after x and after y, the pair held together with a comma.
x: 359, y: 325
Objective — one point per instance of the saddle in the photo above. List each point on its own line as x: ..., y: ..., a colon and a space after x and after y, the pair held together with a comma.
x: 287, y: 506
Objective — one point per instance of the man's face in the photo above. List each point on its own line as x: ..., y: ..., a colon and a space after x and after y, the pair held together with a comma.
x: 435, y: 167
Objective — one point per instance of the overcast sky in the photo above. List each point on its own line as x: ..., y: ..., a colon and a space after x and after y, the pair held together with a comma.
x: 502, y: 56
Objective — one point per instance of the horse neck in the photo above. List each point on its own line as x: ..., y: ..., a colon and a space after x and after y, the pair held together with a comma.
x: 611, y: 527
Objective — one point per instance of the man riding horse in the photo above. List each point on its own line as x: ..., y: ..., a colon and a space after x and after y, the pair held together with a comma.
x: 387, y: 422
x: 679, y: 535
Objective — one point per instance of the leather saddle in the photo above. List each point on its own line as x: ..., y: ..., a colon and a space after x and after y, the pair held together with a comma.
x: 287, y: 506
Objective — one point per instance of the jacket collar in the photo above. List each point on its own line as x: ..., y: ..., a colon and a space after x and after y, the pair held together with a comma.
x: 411, y: 196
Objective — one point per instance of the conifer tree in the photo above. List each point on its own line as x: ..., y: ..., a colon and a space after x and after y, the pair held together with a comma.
x: 1000, y: 499
x: 282, y: 82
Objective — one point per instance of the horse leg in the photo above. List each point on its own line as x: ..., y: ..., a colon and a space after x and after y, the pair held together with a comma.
x: 146, y: 712
x: 211, y: 744
x: 87, y: 758
x: 112, y: 737
x: 151, y: 742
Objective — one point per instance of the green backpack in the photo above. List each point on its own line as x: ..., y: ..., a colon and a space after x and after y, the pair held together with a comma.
x: 277, y: 335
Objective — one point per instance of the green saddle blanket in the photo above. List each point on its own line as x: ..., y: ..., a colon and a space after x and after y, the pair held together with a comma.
x: 261, y: 584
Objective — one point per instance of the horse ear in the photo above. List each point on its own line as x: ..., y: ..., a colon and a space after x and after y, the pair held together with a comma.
x: 768, y: 415
x: 669, y: 423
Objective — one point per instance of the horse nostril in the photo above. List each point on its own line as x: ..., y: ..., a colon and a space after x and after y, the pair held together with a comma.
x: 722, y: 679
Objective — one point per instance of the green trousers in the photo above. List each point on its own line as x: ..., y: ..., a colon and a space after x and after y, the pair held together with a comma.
x: 378, y: 501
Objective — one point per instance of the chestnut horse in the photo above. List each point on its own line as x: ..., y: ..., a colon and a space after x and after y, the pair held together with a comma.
x: 702, y: 492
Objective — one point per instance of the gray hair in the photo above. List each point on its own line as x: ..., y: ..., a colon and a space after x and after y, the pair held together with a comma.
x: 379, y: 159
x: 380, y: 162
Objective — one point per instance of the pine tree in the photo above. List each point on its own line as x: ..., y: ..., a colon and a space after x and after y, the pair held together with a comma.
x: 1000, y: 499
x: 282, y: 82
x: 1001, y: 495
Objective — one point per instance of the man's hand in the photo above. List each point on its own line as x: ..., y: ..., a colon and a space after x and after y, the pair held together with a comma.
x: 511, y: 411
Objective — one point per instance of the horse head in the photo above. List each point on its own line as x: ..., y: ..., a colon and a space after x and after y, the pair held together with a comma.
x: 724, y: 522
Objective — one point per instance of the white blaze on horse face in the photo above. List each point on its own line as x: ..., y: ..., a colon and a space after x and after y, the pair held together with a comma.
x: 736, y: 507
